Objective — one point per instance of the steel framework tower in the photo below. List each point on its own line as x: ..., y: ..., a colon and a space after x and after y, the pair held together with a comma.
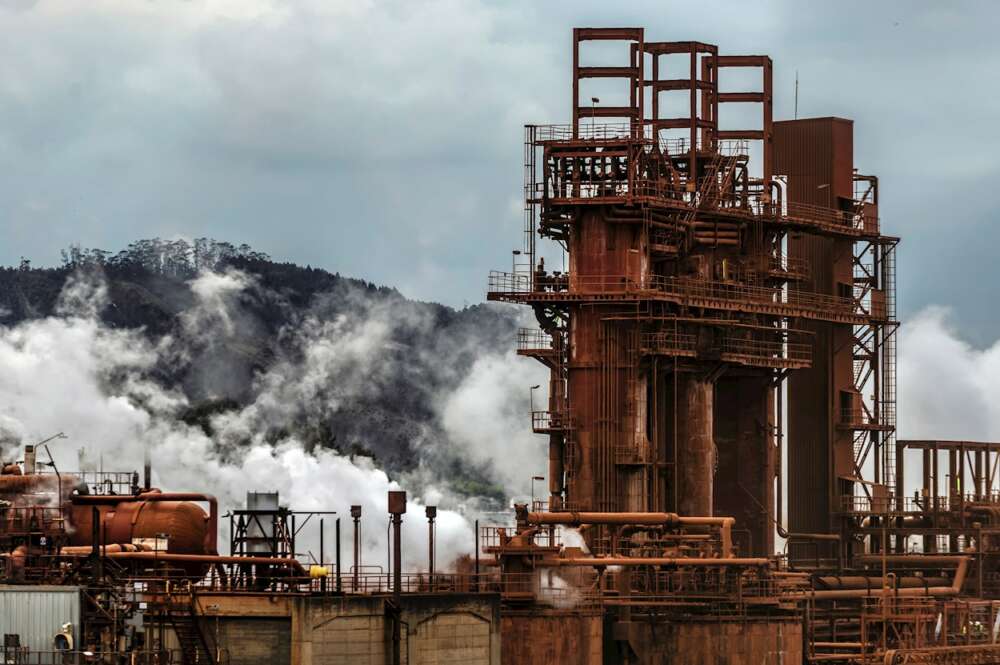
x: 685, y: 304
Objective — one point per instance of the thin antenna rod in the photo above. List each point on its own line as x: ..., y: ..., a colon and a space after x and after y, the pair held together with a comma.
x: 796, y: 94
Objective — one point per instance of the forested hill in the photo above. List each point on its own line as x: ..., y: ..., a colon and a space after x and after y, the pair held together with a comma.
x: 152, y: 289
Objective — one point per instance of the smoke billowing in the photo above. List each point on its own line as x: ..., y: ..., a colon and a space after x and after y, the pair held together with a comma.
x: 104, y: 388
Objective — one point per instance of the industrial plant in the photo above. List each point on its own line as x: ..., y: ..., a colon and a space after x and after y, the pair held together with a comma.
x: 724, y: 480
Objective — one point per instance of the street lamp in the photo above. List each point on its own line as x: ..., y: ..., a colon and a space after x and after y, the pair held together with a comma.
x: 594, y: 101
x: 531, y: 397
x: 533, y: 479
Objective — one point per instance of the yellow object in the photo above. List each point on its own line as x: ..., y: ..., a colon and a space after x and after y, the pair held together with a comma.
x: 318, y: 571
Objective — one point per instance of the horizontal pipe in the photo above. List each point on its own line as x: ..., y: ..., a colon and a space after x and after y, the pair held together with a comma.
x: 209, y: 559
x: 653, y: 561
x: 875, y: 582
x: 924, y: 560
x: 578, y: 519
x: 87, y: 550
x: 812, y: 536
x: 955, y: 589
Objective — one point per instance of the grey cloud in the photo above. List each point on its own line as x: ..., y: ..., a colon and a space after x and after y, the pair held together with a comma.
x: 383, y: 139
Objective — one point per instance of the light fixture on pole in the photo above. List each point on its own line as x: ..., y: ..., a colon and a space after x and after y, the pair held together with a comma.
x: 531, y: 396
x: 594, y: 101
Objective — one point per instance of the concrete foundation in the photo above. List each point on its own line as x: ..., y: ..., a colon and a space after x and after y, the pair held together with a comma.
x: 352, y: 630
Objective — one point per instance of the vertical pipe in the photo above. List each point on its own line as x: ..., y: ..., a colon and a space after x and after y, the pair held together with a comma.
x: 779, y: 491
x: 927, y: 493
x: 339, y: 582
x: 477, y: 555
x: 147, y: 471
x: 576, y: 82
x: 322, y: 559
x: 356, y: 515
x: 397, y: 506
x: 431, y: 512
x: 397, y: 563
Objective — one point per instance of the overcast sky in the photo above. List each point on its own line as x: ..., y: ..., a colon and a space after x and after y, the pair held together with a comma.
x: 383, y: 139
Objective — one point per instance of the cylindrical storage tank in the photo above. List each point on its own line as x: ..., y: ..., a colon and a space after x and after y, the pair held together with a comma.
x: 183, y: 524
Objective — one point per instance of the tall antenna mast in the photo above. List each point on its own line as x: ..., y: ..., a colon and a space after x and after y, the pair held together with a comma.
x: 796, y: 94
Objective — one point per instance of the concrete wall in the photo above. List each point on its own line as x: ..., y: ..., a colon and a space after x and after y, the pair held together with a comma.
x: 437, y: 629
x: 446, y: 629
x: 270, y: 644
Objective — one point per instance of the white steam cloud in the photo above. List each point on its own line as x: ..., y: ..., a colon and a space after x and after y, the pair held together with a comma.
x: 70, y: 373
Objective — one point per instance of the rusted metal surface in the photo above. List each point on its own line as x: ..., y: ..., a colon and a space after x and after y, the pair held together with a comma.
x: 706, y: 299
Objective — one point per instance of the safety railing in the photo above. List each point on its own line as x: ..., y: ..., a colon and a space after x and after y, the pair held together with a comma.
x: 588, y: 131
x: 718, y: 290
x: 533, y: 339
x: 861, y: 418
x: 669, y: 342
x: 509, y: 282
x: 764, y: 350
x: 881, y: 505
x: 551, y: 421
x: 495, y: 536
x: 792, y: 265
x: 25, y: 656
x: 722, y: 583
x: 31, y: 519
x: 514, y: 284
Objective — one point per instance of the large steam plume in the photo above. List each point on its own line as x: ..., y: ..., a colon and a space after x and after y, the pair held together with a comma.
x: 69, y: 372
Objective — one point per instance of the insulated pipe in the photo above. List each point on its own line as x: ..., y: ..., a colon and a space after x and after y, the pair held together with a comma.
x: 209, y: 559
x: 211, y: 537
x: 87, y: 550
x: 653, y: 561
x: 917, y: 560
x: 579, y: 519
x: 953, y: 590
x: 863, y: 582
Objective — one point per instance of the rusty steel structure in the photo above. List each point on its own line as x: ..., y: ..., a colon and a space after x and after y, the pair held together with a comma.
x: 720, y: 343
x: 697, y: 288
x: 726, y: 311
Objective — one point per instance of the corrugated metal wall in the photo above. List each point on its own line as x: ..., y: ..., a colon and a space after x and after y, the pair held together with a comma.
x: 37, y: 613
x: 816, y: 155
